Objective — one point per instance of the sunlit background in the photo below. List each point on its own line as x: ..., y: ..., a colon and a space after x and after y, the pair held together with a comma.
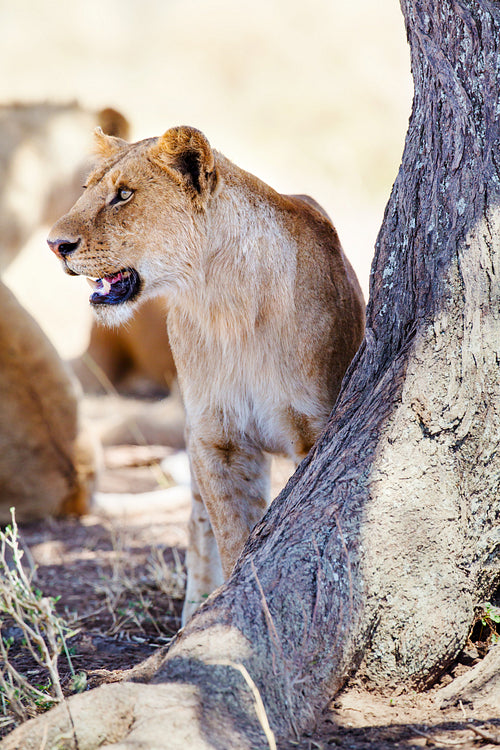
x: 310, y: 96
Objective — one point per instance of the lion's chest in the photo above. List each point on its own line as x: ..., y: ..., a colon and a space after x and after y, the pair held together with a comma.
x: 252, y: 391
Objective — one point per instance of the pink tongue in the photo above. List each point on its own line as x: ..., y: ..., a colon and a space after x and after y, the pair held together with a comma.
x: 113, y: 279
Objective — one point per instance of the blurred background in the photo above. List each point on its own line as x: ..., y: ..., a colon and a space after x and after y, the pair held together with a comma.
x: 313, y: 97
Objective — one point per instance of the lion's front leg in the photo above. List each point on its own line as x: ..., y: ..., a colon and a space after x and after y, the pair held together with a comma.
x: 204, y: 571
x: 233, y: 479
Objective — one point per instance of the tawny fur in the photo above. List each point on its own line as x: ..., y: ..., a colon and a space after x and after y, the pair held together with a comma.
x: 264, y: 315
x: 47, y: 461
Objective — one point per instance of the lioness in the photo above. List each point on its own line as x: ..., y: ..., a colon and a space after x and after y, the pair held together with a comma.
x: 264, y: 315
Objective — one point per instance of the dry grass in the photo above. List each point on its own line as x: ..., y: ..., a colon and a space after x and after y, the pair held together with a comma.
x: 125, y: 599
x: 127, y: 591
x: 42, y: 630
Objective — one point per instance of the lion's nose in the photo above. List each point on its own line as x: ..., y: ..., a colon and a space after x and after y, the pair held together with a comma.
x: 62, y: 248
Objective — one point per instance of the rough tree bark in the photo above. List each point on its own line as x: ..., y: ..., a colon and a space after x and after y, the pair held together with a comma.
x: 375, y: 554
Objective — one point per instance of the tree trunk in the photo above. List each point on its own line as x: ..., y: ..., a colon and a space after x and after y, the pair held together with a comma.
x: 377, y: 551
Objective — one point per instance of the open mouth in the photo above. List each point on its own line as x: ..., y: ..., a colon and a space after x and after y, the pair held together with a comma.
x: 115, y: 289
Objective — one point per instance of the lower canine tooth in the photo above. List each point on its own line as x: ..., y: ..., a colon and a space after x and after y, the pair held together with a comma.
x: 106, y: 286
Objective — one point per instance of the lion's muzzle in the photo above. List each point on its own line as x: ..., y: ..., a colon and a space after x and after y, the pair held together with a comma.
x: 63, y: 247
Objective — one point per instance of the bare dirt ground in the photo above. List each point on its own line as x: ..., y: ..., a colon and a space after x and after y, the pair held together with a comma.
x: 119, y: 575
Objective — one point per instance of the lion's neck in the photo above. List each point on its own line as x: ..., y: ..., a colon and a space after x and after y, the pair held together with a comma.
x: 247, y: 269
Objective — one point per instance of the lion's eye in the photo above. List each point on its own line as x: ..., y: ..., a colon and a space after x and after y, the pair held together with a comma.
x: 124, y: 194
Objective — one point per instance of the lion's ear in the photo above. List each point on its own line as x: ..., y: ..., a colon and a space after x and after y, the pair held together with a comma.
x: 113, y: 123
x: 188, y: 152
x: 107, y: 146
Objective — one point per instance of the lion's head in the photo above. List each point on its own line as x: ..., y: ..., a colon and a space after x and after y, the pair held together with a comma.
x: 136, y: 230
